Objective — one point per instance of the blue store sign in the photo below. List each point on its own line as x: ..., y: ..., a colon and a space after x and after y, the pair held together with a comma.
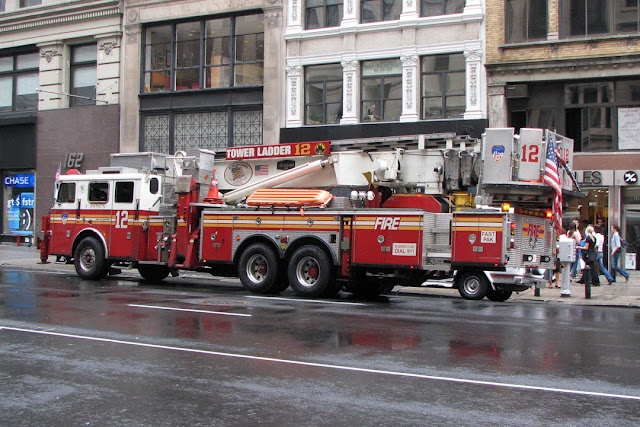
x: 21, y: 180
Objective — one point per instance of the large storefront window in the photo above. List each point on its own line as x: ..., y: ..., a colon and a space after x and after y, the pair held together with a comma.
x: 18, y: 203
x: 214, y: 53
x: 214, y: 130
x: 590, y: 210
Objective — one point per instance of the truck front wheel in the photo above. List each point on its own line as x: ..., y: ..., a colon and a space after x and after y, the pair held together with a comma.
x: 258, y: 269
x: 310, y: 272
x: 473, y: 285
x: 89, y: 259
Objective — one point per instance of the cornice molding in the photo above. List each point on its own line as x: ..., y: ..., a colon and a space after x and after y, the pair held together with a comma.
x: 569, y: 64
x: 38, y: 19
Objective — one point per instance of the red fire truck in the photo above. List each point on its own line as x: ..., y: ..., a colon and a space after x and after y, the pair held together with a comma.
x: 360, y: 215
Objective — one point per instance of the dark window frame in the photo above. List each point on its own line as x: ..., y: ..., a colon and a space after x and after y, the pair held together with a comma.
x: 533, y: 16
x: 97, y: 188
x: 74, y: 66
x: 443, y: 11
x: 124, y: 192
x: 443, y: 79
x: 324, y: 103
x: 324, y: 8
x: 171, y: 117
x: 15, y: 74
x: 381, y: 98
x: 172, y: 67
x: 600, y: 18
x: 70, y: 195
x: 379, y: 7
x: 30, y: 3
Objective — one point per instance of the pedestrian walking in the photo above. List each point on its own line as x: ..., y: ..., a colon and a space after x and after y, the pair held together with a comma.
x: 574, y: 233
x: 600, y: 254
x: 616, y: 250
x: 589, y: 254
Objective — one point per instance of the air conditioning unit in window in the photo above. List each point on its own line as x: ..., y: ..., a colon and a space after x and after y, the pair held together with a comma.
x: 517, y: 91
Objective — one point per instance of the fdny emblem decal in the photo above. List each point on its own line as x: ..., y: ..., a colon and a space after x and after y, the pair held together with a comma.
x: 497, y: 151
x: 238, y: 173
x: 65, y: 217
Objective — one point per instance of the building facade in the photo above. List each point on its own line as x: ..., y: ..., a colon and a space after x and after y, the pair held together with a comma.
x: 59, y: 99
x: 201, y: 74
x: 574, y: 66
x: 374, y: 68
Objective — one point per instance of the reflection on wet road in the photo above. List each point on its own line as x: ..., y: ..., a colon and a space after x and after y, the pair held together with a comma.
x: 119, y: 351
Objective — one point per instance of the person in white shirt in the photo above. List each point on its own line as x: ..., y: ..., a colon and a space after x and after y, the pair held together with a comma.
x: 616, y: 250
x: 600, y: 254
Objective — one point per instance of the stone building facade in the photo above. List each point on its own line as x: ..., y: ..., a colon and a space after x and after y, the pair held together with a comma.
x: 59, y: 99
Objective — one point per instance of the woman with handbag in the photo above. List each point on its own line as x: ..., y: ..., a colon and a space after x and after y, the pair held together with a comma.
x: 589, y: 255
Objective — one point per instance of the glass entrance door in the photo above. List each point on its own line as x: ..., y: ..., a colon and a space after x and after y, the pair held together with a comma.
x: 631, y: 229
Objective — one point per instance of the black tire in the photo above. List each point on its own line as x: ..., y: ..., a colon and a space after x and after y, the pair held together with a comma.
x: 153, y: 273
x: 310, y: 272
x: 259, y: 269
x: 473, y: 285
x: 89, y: 259
x: 368, y: 290
x: 498, y: 295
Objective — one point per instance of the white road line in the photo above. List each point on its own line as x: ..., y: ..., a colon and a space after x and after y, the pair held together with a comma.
x: 189, y: 310
x: 327, y: 366
x: 316, y: 301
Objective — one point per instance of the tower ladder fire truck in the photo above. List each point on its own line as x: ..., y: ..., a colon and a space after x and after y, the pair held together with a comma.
x: 359, y: 215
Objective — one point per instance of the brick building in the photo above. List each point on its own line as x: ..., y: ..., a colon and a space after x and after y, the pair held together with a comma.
x: 574, y: 66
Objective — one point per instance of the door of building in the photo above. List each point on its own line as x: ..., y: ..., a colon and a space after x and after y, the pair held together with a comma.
x: 631, y: 231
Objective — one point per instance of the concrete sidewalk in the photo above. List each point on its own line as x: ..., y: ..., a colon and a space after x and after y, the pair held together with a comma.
x: 620, y: 294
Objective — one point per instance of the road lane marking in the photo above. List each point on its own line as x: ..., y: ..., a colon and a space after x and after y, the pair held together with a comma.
x: 189, y: 310
x: 316, y: 301
x: 327, y: 366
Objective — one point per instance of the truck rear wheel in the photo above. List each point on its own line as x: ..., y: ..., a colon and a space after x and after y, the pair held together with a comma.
x: 473, y: 285
x: 153, y: 273
x: 498, y: 295
x: 89, y: 259
x: 310, y: 272
x: 258, y: 269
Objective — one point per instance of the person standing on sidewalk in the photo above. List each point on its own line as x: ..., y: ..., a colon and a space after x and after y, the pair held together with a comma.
x: 616, y: 250
x: 589, y: 254
x: 574, y: 234
x: 600, y: 254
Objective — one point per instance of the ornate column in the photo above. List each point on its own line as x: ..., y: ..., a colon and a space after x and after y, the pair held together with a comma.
x: 294, y: 95
x: 130, y: 84
x: 497, y: 105
x: 274, y: 69
x: 410, y: 84
x: 108, y: 68
x: 52, y: 76
x: 410, y: 10
x: 475, y: 84
x: 294, y: 16
x: 350, y: 92
x: 350, y: 13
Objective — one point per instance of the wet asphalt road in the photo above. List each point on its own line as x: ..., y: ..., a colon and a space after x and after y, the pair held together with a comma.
x: 118, y: 352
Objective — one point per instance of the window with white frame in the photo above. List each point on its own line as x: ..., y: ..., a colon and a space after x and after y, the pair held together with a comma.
x: 441, y: 7
x: 380, y: 10
x: 322, y: 13
x: 323, y: 94
x: 443, y: 86
x: 381, y: 90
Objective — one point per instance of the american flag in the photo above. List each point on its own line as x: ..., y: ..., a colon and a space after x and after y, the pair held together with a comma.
x: 552, y: 178
x: 262, y: 169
